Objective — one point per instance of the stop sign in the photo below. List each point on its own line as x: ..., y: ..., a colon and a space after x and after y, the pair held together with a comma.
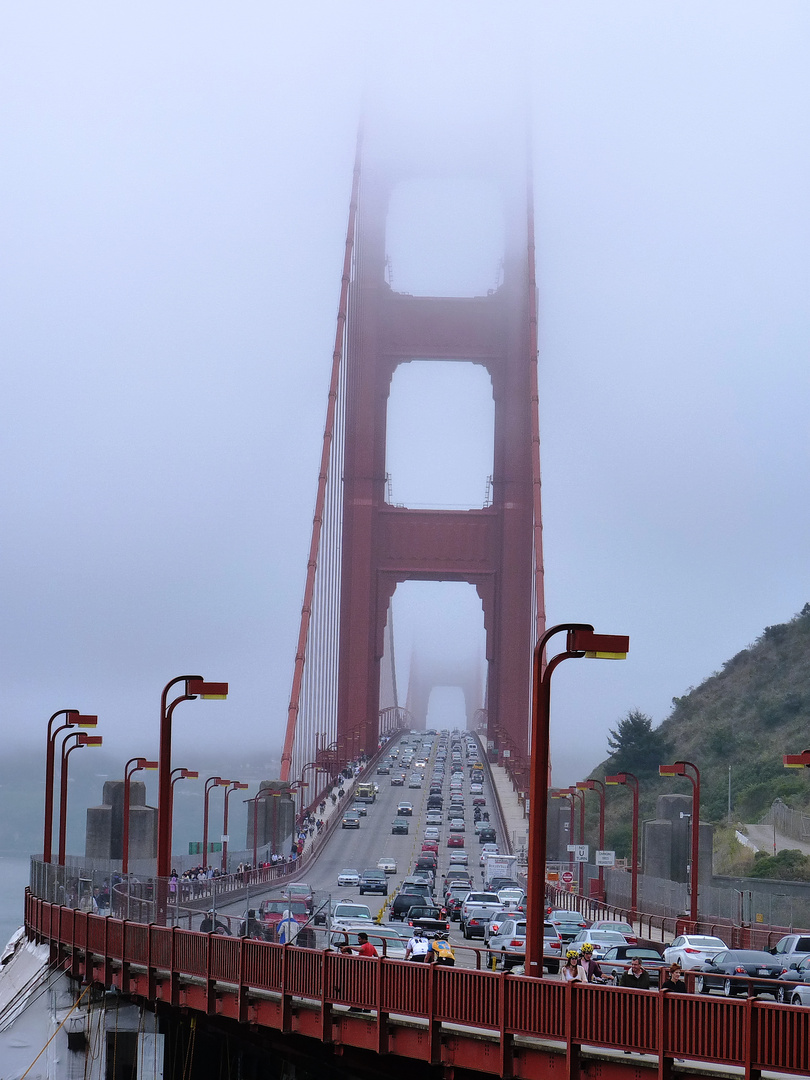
x: 567, y: 876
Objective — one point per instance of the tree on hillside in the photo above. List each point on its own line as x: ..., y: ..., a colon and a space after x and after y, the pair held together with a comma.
x: 634, y: 746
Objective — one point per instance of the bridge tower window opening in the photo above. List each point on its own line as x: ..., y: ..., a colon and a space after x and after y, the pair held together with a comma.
x: 440, y: 652
x: 440, y: 436
x: 445, y: 236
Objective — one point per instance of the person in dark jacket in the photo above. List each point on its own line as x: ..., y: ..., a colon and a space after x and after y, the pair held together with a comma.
x: 673, y: 981
x: 636, y: 976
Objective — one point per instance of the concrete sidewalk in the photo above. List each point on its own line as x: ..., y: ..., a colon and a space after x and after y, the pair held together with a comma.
x: 515, y: 821
x: 766, y: 838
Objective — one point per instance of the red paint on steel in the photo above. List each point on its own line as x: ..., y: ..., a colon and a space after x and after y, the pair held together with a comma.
x: 323, y: 474
x: 753, y: 1034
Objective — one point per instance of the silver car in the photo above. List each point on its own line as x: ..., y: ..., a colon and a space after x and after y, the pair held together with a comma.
x: 509, y: 944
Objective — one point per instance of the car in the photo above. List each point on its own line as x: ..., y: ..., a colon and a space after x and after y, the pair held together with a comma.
x: 428, y: 917
x: 602, y: 940
x: 509, y: 944
x: 373, y: 880
x: 730, y: 970
x: 475, y: 923
x: 360, y: 808
x: 569, y: 923
x: 487, y: 849
x: 794, y: 984
x: 458, y: 877
x: 349, y: 911
x: 400, y: 825
x: 351, y: 821
x: 272, y: 911
x: 457, y: 824
x: 404, y: 809
x: 485, y: 902
x: 387, y: 940
x: 620, y: 927
x: 299, y: 890
x: 476, y: 789
x: 435, y: 802
x: 402, y: 904
x: 487, y: 836
x: 479, y: 800
x: 430, y: 846
x: 494, y: 922
x: 348, y: 877
x: 511, y: 896
x: 615, y: 961
x: 414, y: 780
x: 387, y: 865
x: 455, y: 840
x: 432, y: 833
x: 397, y: 780
x: 384, y: 769
x: 553, y: 948
x: 458, y: 858
x: 692, y: 950
x: 792, y: 948
x: 433, y: 817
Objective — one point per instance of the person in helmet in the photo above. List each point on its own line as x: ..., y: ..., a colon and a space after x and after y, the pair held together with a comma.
x: 442, y: 952
x: 418, y: 947
x: 572, y: 972
x: 590, y: 967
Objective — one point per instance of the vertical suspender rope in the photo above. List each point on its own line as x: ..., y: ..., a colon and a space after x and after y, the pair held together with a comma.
x: 317, y: 523
x: 540, y: 613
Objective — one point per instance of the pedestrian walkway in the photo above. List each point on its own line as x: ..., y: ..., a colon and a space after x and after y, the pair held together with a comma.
x: 766, y: 838
x: 515, y: 820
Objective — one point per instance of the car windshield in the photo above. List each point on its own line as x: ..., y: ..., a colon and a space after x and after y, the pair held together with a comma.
x: 352, y: 911
x: 604, y: 936
x: 278, y: 907
x: 348, y: 873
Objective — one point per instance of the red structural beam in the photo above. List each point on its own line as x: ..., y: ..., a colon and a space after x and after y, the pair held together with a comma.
x: 234, y: 978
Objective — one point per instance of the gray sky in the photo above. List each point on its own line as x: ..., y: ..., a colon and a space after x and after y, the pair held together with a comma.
x: 173, y: 202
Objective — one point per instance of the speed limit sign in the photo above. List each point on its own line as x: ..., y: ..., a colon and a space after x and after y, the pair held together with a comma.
x: 567, y: 876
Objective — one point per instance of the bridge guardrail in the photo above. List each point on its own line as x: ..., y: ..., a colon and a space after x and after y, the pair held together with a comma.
x: 751, y: 1034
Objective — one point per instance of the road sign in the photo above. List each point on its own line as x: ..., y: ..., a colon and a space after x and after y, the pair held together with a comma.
x: 580, y: 852
x: 567, y: 877
x: 606, y: 858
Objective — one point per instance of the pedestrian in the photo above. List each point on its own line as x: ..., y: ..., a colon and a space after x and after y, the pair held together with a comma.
x: 635, y: 976
x: 590, y: 967
x: 673, y: 981
x: 418, y: 947
x: 572, y: 972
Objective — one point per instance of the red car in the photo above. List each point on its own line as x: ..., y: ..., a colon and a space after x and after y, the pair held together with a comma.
x: 455, y: 840
x: 431, y: 845
x: 479, y: 800
x: 271, y: 912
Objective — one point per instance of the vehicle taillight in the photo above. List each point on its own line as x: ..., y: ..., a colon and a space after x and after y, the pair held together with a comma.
x: 515, y: 943
x: 741, y: 971
x: 692, y: 950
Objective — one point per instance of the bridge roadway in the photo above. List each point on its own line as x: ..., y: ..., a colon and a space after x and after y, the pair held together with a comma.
x: 463, y: 1022
x: 361, y: 848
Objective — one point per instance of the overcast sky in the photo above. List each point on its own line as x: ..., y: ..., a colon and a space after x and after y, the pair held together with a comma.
x: 173, y: 200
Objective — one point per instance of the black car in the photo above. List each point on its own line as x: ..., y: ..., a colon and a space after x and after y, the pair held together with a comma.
x: 384, y: 769
x: 730, y: 969
x: 373, y: 881
x: 405, y: 809
x: 486, y: 836
x: 402, y: 904
x: 399, y: 825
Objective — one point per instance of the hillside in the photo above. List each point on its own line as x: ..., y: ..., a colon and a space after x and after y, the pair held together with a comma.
x: 745, y: 716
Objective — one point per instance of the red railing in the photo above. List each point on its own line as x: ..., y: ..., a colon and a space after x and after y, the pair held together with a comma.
x: 750, y: 1033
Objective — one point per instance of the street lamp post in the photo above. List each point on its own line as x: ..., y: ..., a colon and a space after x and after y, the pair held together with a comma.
x: 210, y: 784
x: 82, y: 739
x: 73, y: 718
x: 599, y: 788
x: 680, y: 769
x: 235, y: 785
x: 137, y: 764
x: 194, y: 687
x: 580, y: 641
x: 627, y: 779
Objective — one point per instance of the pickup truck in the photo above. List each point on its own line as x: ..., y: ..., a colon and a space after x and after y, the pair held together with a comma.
x: 429, y: 919
x: 792, y: 948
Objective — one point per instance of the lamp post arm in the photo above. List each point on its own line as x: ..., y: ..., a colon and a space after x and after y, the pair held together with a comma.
x: 47, y: 850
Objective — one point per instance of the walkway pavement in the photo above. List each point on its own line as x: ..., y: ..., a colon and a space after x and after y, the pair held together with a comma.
x: 766, y: 838
x: 515, y: 821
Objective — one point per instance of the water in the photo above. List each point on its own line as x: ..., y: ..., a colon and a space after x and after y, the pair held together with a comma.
x: 14, y: 872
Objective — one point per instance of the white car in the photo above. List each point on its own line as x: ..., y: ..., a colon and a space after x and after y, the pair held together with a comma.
x: 487, y: 849
x: 349, y: 877
x: 458, y: 858
x: 602, y: 940
x: 348, y: 911
x: 692, y: 950
x: 510, y: 897
x: 433, y: 817
x: 387, y: 865
x: 432, y: 833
